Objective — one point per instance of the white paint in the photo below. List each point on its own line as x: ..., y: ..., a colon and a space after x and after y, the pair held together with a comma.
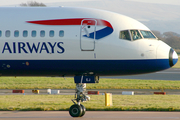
x: 107, y: 48
x: 49, y: 91
x: 128, y: 93
x: 55, y: 91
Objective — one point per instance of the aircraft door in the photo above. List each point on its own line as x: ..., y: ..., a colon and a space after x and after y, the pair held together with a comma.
x: 88, y: 34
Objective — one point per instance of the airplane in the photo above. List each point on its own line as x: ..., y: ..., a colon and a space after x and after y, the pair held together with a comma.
x: 81, y: 42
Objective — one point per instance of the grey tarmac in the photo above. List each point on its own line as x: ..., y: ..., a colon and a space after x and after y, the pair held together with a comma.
x: 169, y: 74
x: 90, y: 115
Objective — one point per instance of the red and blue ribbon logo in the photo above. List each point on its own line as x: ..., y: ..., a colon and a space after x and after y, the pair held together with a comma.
x: 107, y: 30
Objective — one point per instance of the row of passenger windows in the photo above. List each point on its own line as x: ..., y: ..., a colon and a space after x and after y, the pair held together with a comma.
x: 33, y: 33
x: 136, y: 34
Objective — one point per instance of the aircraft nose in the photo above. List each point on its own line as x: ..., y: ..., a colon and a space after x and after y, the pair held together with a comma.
x: 173, y: 57
x: 166, y: 56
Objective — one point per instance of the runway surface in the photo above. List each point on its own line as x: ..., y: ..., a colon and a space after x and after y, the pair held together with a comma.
x: 170, y: 74
x: 90, y: 115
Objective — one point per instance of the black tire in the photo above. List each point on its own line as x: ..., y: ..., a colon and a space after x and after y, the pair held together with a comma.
x: 83, y: 110
x: 75, y: 110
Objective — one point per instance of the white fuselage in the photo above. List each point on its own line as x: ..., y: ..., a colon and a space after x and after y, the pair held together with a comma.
x: 72, y: 41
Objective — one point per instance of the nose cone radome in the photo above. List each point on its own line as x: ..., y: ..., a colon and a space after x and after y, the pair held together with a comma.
x: 166, y: 56
x: 173, y: 57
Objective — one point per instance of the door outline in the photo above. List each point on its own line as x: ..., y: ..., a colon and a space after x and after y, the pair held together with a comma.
x: 88, y: 41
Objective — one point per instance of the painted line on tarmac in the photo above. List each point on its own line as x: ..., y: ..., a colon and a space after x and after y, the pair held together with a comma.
x: 168, y: 72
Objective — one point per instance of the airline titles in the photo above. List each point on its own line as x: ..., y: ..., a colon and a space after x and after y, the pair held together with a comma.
x: 39, y: 47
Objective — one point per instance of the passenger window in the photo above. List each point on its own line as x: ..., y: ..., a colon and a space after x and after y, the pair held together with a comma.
x: 33, y: 34
x: 42, y: 33
x: 51, y: 33
x: 61, y: 33
x: 8, y: 33
x: 25, y: 33
x: 0, y: 33
x: 135, y: 34
x: 16, y: 33
x: 125, y: 35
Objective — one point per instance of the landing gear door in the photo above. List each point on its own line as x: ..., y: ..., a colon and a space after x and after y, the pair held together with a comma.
x: 88, y: 34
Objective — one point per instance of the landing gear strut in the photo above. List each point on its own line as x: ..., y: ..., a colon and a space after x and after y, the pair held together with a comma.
x: 78, y: 110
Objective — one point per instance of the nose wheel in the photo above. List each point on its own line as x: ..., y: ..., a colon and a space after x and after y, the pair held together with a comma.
x: 83, y: 110
x: 78, y: 110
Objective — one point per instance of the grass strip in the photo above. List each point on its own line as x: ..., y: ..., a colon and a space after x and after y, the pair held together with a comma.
x: 97, y: 103
x: 61, y: 83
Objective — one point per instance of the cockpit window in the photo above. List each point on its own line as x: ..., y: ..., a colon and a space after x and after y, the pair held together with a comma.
x: 135, y: 35
x: 125, y: 35
x: 147, y: 34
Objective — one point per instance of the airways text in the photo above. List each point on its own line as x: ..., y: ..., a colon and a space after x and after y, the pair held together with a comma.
x: 39, y: 47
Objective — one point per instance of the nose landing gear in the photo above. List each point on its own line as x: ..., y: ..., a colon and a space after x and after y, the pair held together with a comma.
x: 78, y: 110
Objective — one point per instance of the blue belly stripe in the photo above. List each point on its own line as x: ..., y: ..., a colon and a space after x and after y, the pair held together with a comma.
x: 78, y: 67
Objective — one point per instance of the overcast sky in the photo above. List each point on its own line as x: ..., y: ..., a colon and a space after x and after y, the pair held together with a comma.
x: 160, y: 15
x: 17, y: 2
x: 169, y: 2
